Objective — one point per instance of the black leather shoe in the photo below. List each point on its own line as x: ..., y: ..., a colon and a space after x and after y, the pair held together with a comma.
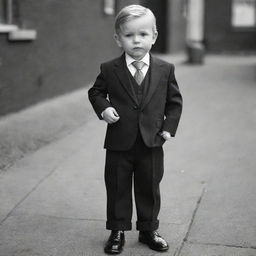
x: 153, y: 240
x: 115, y: 242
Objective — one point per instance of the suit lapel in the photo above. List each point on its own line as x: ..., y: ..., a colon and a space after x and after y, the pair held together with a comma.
x: 156, y: 72
x: 121, y: 72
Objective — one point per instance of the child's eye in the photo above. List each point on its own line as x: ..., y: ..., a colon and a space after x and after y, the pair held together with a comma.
x: 143, y: 34
x: 128, y: 35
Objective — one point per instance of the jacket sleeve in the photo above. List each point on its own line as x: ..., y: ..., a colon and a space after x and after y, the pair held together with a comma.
x: 98, y: 94
x: 173, y: 107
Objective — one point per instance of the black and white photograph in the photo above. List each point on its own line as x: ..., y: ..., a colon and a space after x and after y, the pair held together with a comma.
x: 127, y: 127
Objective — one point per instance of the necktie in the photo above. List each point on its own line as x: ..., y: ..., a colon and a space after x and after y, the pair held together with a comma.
x: 138, y: 76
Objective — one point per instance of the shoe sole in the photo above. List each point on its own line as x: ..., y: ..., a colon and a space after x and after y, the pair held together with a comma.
x: 141, y: 240
x: 115, y: 252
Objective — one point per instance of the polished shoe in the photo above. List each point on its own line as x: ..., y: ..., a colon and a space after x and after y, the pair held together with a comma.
x: 115, y: 242
x: 153, y: 240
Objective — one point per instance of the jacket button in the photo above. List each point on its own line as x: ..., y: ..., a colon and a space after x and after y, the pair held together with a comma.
x: 135, y: 107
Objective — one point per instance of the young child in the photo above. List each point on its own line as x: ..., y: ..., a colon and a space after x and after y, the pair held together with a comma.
x: 138, y: 96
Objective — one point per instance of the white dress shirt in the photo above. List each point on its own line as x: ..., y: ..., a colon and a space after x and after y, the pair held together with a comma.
x: 146, y: 59
x: 132, y: 69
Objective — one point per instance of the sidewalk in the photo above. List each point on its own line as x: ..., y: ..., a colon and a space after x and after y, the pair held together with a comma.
x: 28, y: 130
x: 53, y: 200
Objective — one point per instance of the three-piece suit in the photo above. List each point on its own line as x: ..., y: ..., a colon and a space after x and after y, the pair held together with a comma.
x: 134, y: 142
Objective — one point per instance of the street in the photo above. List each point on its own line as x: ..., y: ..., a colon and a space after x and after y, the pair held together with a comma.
x: 53, y: 200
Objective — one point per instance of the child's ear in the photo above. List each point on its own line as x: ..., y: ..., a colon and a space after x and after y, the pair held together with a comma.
x: 116, y: 37
x: 155, y: 35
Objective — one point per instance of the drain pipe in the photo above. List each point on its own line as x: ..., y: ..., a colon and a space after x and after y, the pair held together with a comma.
x: 195, y: 31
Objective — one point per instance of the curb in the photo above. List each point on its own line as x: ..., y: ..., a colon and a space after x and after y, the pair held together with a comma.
x: 28, y: 130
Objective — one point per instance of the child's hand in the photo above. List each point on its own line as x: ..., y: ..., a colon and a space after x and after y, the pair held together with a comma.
x: 166, y: 135
x: 110, y: 115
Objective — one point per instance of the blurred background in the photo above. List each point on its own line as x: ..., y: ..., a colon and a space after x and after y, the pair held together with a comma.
x: 52, y: 192
x: 51, y: 47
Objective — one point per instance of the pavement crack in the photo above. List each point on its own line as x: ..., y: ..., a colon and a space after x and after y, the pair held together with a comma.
x: 28, y: 194
x: 70, y: 218
x: 178, y: 250
x: 222, y: 245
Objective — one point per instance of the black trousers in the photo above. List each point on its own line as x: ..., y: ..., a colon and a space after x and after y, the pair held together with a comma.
x: 145, y: 165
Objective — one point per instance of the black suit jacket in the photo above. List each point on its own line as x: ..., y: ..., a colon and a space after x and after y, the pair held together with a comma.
x: 160, y: 109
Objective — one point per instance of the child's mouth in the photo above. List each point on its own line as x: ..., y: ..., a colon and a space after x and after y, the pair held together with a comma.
x: 137, y: 48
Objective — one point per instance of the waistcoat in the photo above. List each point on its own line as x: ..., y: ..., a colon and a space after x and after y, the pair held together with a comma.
x: 140, y: 90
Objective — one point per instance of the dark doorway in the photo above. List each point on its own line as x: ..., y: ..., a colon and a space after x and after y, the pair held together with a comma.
x: 159, y: 8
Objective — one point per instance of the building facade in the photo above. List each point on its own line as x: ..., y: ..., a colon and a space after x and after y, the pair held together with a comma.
x: 230, y: 25
x: 57, y: 47
x: 51, y: 47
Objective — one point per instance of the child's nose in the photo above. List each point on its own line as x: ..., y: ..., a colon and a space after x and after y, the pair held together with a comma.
x: 136, y: 39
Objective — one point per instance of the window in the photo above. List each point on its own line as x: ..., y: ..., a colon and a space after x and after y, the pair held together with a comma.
x: 243, y: 14
x: 6, y: 16
x: 9, y: 20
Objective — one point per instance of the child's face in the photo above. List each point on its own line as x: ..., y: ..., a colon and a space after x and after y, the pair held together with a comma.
x: 136, y: 36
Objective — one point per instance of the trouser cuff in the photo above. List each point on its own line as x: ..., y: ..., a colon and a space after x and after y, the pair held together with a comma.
x: 118, y: 225
x: 147, y: 225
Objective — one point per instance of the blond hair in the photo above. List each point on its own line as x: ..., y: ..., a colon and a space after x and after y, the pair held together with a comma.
x: 131, y: 12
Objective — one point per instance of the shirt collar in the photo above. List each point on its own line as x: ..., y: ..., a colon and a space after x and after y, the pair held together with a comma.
x: 129, y: 59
